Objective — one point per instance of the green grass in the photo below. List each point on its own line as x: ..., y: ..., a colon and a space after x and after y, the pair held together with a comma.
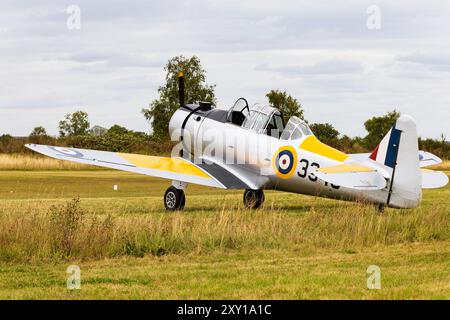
x: 295, y: 247
x: 413, y: 271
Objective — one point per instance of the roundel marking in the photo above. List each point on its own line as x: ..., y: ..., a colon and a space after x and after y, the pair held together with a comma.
x: 284, y: 162
x: 68, y: 152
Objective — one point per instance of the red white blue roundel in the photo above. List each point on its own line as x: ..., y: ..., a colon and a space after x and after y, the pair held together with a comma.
x: 285, y: 161
x: 67, y: 152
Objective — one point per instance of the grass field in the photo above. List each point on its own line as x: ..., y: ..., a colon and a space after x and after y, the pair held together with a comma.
x: 37, y: 162
x: 127, y: 246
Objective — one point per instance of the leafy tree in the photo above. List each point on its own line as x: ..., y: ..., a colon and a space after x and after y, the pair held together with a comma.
x: 443, y: 139
x: 75, y: 124
x: 38, y: 132
x: 117, y: 130
x: 196, y: 89
x: 288, y: 105
x: 5, y: 138
x: 325, y: 132
x: 377, y: 127
x: 124, y: 133
x: 345, y: 144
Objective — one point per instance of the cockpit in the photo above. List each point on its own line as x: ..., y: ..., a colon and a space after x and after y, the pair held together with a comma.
x: 266, y: 120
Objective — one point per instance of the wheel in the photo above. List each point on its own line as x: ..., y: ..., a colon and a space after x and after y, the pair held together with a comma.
x: 253, y: 199
x: 174, y: 199
x: 380, y: 208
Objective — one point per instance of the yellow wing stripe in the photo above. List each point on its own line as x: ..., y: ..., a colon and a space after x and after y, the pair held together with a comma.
x: 176, y: 165
x: 343, y: 168
x: 312, y: 144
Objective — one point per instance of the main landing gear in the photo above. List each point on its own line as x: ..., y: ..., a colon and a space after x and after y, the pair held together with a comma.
x: 253, y: 199
x: 174, y: 199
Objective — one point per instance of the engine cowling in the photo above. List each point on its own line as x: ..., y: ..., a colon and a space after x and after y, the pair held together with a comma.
x: 186, y: 124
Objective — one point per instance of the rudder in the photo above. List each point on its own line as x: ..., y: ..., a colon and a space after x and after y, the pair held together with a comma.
x: 398, y: 151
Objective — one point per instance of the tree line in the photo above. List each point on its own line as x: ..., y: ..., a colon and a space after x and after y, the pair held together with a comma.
x: 75, y: 129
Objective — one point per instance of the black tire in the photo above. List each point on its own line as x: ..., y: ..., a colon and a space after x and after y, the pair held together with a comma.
x: 174, y: 199
x: 253, y: 199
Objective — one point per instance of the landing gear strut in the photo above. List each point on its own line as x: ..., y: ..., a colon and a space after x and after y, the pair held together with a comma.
x: 174, y: 199
x: 253, y: 199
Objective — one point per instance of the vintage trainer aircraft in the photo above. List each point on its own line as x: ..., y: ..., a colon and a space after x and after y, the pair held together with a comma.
x: 266, y: 154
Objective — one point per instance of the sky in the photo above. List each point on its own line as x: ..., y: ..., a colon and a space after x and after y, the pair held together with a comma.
x: 345, y: 61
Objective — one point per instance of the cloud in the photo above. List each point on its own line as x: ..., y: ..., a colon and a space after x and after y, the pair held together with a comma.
x: 437, y: 61
x: 320, y: 52
x: 326, y: 67
x: 109, y: 59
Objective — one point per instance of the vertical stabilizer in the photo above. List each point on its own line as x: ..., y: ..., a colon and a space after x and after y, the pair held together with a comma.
x: 398, y: 151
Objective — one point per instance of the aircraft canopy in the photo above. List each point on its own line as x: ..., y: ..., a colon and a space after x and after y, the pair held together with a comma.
x: 295, y: 129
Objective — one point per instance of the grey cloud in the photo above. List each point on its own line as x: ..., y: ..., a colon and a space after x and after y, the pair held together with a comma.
x: 320, y: 51
x: 326, y: 67
x: 439, y: 61
x: 114, y: 59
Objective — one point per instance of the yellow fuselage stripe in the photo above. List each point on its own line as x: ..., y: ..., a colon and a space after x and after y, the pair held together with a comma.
x: 312, y: 144
x: 175, y: 165
x: 344, y: 168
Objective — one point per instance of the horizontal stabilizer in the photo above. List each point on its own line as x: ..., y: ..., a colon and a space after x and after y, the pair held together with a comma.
x: 352, y: 176
x: 428, y: 159
x: 433, y: 179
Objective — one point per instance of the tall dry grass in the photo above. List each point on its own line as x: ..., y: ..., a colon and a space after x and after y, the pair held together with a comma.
x: 36, y: 162
x: 445, y: 166
x: 69, y: 230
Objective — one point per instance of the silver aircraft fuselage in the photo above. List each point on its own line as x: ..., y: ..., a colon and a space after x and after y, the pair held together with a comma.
x: 244, y: 150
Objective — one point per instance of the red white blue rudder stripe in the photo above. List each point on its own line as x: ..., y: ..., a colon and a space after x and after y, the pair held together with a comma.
x: 386, y: 152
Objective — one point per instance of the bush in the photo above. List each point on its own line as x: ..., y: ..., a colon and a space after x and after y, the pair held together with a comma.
x: 441, y: 148
x: 65, y: 221
x: 73, y: 232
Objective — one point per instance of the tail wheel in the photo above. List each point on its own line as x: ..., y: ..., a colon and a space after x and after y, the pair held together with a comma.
x: 380, y: 208
x: 253, y: 199
x: 174, y: 199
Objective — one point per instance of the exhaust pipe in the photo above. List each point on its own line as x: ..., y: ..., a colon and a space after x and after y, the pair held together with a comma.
x: 181, y: 88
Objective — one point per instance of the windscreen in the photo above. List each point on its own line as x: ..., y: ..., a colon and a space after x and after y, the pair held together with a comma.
x: 295, y: 129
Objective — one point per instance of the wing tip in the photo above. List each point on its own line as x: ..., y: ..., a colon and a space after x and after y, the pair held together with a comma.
x: 31, y: 145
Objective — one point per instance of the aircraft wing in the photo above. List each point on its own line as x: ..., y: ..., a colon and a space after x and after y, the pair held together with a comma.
x: 178, y: 169
x: 426, y: 159
x: 234, y: 176
x: 353, y: 176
